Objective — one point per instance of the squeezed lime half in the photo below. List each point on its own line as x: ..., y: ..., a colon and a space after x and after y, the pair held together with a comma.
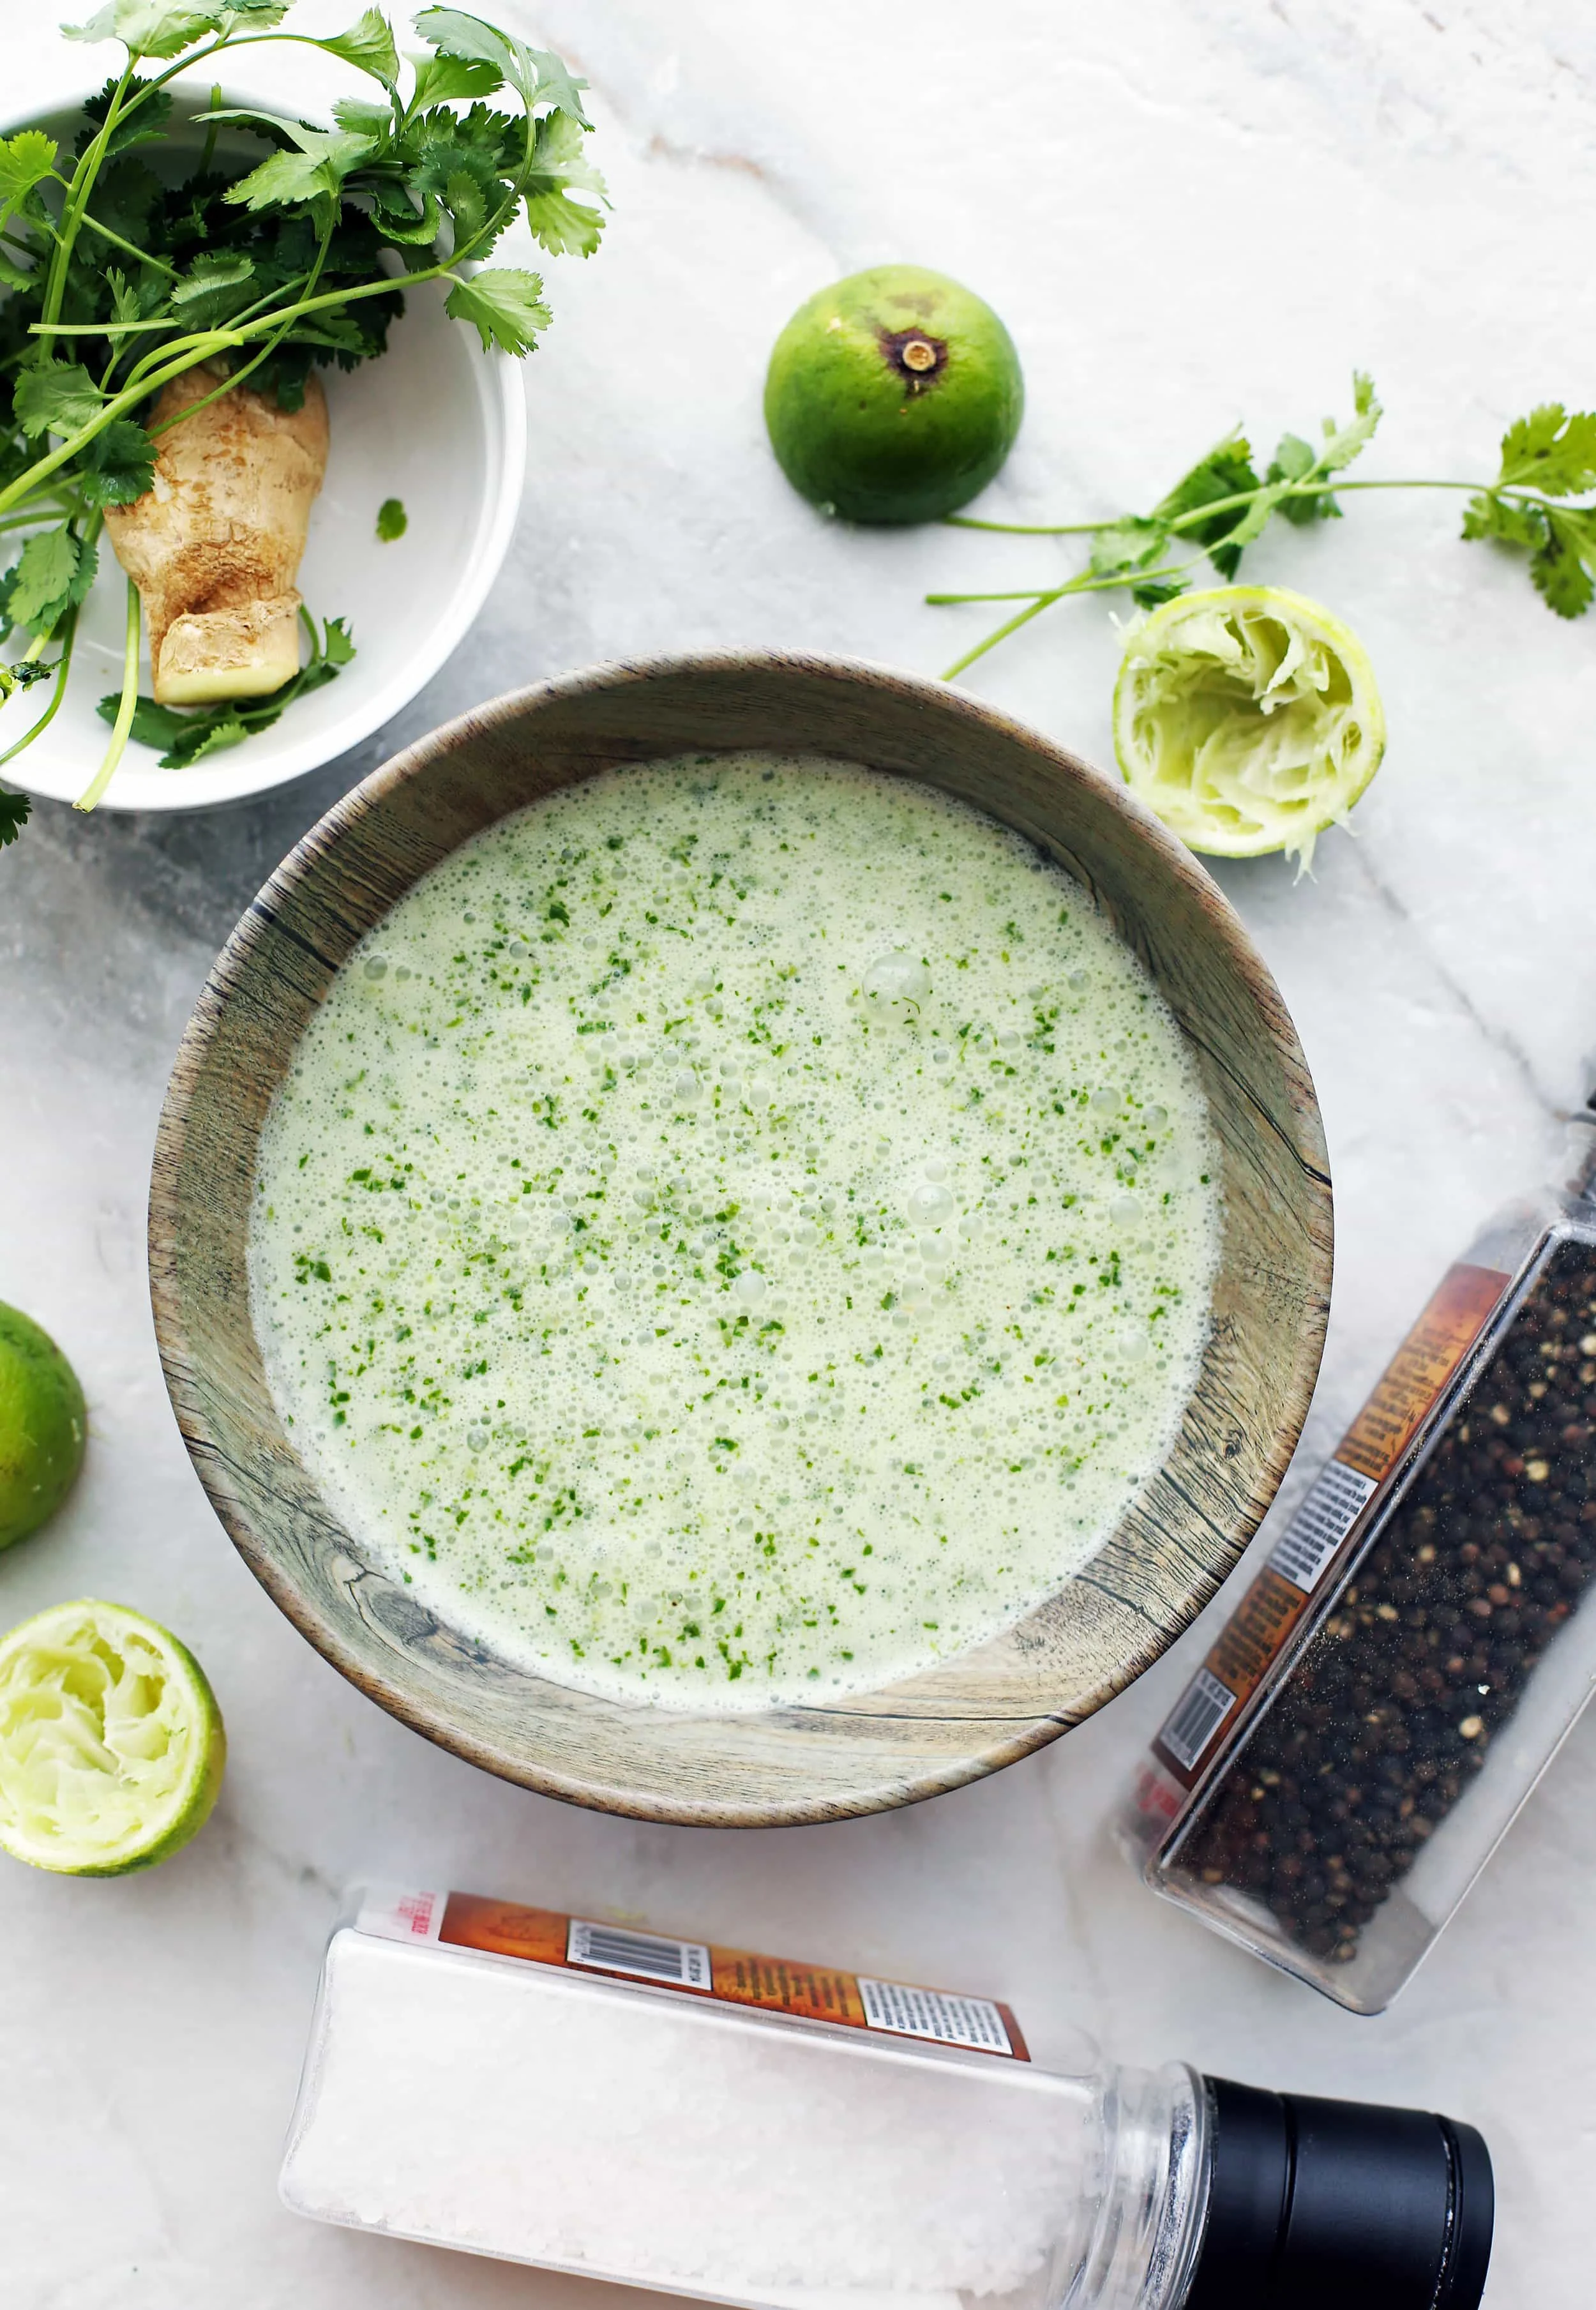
x: 1248, y: 719
x: 111, y: 1745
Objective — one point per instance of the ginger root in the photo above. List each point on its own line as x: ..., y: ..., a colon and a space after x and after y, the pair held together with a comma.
x: 215, y: 545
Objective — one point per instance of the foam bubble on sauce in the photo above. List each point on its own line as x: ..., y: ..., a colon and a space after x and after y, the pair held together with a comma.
x: 740, y: 1230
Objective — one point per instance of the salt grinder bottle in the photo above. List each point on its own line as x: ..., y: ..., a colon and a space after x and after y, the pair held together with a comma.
x: 1402, y: 1668
x: 478, y: 2077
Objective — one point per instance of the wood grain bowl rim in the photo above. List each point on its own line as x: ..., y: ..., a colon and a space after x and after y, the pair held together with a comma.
x: 259, y: 921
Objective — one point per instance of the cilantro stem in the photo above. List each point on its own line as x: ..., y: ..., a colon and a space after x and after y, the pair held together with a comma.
x: 1028, y: 528
x: 39, y: 513
x: 142, y: 255
x: 1511, y: 489
x: 69, y: 626
x: 1085, y: 584
x: 1243, y: 498
x: 209, y: 152
x: 85, y: 177
x: 1017, y: 594
x: 125, y: 712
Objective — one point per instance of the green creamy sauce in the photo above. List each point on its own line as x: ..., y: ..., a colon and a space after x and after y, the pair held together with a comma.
x: 739, y: 1231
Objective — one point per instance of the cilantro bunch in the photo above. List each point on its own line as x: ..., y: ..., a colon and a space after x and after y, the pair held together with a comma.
x: 1222, y: 504
x: 116, y: 281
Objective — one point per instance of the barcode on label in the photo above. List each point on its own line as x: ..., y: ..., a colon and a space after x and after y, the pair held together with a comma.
x: 908, y: 2013
x: 1332, y: 1508
x: 1196, y: 1717
x: 647, y: 1957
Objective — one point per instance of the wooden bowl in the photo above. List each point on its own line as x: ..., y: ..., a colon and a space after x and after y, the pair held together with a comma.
x: 927, y: 1732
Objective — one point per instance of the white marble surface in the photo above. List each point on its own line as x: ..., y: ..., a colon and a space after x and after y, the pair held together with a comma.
x: 1189, y: 210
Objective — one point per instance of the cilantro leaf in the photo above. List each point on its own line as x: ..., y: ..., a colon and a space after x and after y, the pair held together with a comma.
x: 323, y: 157
x: 1561, y: 541
x: 1129, y: 545
x: 556, y: 84
x: 153, y: 725
x: 153, y: 27
x: 55, y: 397
x: 217, y: 285
x: 392, y: 520
x: 536, y: 76
x: 1563, y: 569
x: 1156, y: 590
x: 337, y: 649
x: 458, y: 166
x: 218, y: 731
x: 118, y: 464
x: 144, y: 126
x: 506, y: 306
x: 440, y: 79
x: 126, y: 302
x: 397, y: 220
x: 467, y: 208
x: 1249, y: 523
x: 1294, y: 461
x: 1227, y: 471
x: 53, y: 571
x: 564, y: 226
x: 369, y: 46
x: 364, y: 118
x: 1505, y: 519
x: 183, y: 737
x: 1342, y: 443
x: 1551, y: 451
x: 26, y: 160
x: 466, y: 40
x: 15, y: 810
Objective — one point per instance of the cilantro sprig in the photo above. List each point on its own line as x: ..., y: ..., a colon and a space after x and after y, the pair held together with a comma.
x: 114, y: 282
x: 1223, y: 504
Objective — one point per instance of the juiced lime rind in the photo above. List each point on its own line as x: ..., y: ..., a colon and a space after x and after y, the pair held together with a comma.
x: 111, y: 1743
x: 1248, y: 719
x: 43, y: 1426
x: 856, y: 434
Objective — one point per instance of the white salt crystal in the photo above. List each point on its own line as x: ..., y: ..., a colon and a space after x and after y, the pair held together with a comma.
x: 518, y: 2110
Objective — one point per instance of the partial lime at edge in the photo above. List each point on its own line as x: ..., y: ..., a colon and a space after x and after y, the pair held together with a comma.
x: 111, y: 1742
x: 1248, y: 719
x: 893, y: 395
x: 43, y: 1426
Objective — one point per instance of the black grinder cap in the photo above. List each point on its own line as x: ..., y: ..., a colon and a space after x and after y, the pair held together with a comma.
x: 1340, y: 2205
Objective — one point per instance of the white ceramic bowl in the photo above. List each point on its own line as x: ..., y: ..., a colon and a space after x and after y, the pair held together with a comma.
x: 435, y: 422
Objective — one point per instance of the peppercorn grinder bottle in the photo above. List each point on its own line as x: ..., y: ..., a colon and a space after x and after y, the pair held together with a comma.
x: 1398, y: 1676
x: 601, y: 2100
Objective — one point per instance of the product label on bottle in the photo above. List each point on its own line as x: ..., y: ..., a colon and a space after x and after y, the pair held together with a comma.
x: 1328, y: 1519
x: 730, y: 1977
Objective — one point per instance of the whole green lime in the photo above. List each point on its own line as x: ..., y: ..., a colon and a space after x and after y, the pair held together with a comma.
x: 893, y: 395
x: 43, y: 1426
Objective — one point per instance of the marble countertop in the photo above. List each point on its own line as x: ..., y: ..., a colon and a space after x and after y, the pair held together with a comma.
x: 1190, y: 213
